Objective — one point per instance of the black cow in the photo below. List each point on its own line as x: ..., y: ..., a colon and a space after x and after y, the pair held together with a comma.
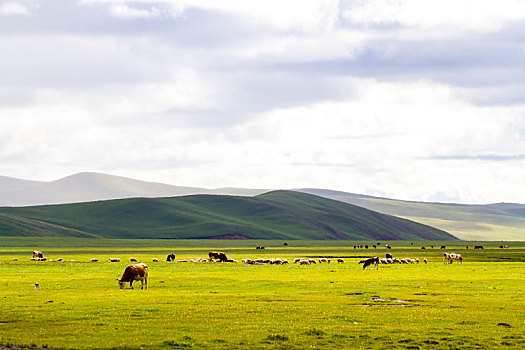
x: 218, y: 255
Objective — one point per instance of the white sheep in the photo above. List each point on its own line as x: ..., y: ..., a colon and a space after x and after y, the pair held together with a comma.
x: 94, y: 260
x: 155, y: 260
x: 304, y: 262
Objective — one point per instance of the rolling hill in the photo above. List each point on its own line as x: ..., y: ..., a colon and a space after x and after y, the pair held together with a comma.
x: 501, y: 221
x: 273, y: 215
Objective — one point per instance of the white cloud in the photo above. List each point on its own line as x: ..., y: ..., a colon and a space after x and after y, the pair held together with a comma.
x: 125, y: 11
x: 13, y: 8
x: 484, y: 15
x: 269, y: 94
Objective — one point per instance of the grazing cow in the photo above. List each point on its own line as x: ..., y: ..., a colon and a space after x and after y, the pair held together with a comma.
x: 170, y: 257
x: 478, y: 247
x: 217, y: 255
x: 135, y: 272
x: 455, y: 257
x: 368, y: 262
x: 37, y: 254
x: 449, y: 258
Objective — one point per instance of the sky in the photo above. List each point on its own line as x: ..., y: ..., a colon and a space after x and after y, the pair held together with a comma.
x: 408, y: 99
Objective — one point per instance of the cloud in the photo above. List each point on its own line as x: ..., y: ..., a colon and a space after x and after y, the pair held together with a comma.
x: 482, y: 16
x: 125, y: 11
x: 401, y: 98
x: 483, y: 157
x: 13, y: 8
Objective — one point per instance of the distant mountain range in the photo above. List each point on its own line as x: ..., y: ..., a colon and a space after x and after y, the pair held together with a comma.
x: 273, y: 215
x: 503, y: 221
x: 87, y: 187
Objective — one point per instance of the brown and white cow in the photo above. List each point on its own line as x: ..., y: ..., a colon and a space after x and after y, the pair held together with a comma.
x: 37, y: 254
x: 135, y: 272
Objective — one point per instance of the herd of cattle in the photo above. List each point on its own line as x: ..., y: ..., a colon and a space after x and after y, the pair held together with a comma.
x: 139, y: 271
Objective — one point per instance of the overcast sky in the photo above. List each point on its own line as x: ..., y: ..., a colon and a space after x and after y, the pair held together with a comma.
x: 419, y: 100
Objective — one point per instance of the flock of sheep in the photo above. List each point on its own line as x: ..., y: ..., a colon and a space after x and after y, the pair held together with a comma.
x: 221, y: 257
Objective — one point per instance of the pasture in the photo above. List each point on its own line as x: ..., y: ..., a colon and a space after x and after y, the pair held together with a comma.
x: 477, y: 304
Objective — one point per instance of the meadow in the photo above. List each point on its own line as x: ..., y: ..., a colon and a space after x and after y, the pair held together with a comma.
x: 477, y: 304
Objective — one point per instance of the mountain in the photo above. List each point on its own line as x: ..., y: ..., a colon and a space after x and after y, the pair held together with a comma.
x: 88, y: 186
x: 273, y: 215
x: 501, y: 221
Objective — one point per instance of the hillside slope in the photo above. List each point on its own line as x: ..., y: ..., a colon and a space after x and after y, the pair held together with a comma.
x: 502, y: 221
x: 273, y: 215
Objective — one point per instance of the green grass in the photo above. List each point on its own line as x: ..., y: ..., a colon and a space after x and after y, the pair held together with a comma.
x: 477, y: 304
x: 274, y: 215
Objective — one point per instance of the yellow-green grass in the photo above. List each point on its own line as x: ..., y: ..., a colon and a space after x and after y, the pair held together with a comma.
x: 477, y: 304
x: 474, y: 230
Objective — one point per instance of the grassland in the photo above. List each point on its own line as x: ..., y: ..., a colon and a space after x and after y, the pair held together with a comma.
x: 477, y: 304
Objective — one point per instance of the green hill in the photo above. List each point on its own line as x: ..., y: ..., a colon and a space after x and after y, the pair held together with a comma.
x: 273, y: 215
x: 501, y: 221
